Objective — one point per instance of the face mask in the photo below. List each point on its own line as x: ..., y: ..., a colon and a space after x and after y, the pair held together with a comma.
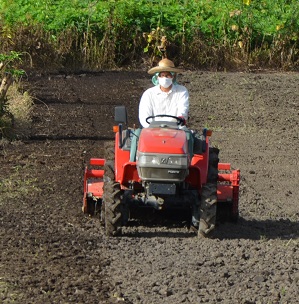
x: 165, y: 82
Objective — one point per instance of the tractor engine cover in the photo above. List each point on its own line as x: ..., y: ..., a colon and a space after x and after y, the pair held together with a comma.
x: 162, y: 155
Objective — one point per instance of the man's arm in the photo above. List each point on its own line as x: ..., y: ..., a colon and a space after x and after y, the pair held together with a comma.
x: 145, y: 109
x: 183, y: 103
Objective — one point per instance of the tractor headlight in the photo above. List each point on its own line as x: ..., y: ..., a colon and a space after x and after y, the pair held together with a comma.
x: 148, y: 159
x: 163, y: 160
x: 177, y: 161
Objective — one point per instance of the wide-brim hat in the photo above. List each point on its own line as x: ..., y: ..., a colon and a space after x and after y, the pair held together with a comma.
x: 165, y: 65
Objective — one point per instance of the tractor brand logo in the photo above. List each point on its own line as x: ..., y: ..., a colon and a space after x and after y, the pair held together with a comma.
x: 163, y: 160
x: 173, y: 171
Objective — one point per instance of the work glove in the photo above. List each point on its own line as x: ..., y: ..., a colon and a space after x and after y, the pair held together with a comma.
x: 183, y: 120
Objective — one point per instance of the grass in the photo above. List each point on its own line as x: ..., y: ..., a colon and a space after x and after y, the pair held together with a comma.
x: 20, y: 105
x: 16, y: 185
x: 7, y: 295
x: 16, y: 121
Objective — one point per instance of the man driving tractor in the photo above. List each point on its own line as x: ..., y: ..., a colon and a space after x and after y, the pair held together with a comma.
x: 162, y: 165
x: 166, y: 97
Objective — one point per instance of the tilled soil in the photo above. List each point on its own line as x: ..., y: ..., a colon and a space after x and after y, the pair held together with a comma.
x: 52, y: 253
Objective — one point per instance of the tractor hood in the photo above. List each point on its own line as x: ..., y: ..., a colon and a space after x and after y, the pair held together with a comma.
x: 160, y: 140
x: 162, y: 155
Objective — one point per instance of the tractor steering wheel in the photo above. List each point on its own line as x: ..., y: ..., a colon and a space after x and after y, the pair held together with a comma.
x: 179, y: 120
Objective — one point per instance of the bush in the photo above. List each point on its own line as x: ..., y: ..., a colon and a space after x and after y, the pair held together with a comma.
x: 14, y: 106
x: 105, y: 34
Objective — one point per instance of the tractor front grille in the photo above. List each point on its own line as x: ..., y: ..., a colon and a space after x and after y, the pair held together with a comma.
x: 162, y: 174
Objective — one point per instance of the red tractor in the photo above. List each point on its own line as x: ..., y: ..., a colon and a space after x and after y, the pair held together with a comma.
x: 158, y: 168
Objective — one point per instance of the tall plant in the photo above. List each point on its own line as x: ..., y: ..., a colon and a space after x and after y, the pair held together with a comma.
x: 8, y: 72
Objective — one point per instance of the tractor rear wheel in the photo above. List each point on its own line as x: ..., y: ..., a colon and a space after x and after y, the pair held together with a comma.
x: 112, y: 209
x: 208, y: 208
x: 111, y: 215
x: 208, y: 204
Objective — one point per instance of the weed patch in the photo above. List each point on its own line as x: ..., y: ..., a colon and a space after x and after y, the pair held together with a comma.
x: 20, y: 106
x: 17, y: 185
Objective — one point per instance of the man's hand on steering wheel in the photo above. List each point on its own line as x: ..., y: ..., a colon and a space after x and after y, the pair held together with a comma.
x: 183, y: 120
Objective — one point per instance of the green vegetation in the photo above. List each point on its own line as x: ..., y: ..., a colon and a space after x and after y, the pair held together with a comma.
x: 8, y: 73
x: 106, y: 34
x: 17, y: 185
x: 15, y: 105
x: 8, y: 292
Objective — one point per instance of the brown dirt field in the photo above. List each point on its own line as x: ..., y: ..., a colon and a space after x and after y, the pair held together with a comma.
x: 52, y: 253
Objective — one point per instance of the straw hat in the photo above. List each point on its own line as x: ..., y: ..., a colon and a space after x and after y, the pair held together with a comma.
x: 164, y: 65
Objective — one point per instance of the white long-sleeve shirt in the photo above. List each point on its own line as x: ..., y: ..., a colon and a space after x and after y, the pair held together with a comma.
x: 156, y: 102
